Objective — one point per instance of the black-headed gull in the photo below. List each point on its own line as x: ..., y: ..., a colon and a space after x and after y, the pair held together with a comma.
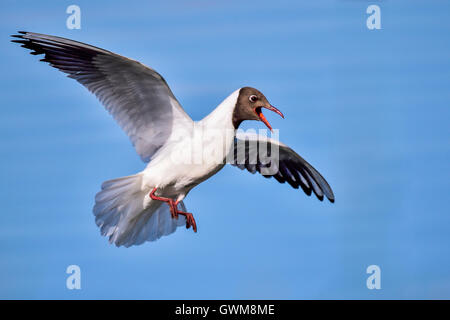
x: 181, y: 153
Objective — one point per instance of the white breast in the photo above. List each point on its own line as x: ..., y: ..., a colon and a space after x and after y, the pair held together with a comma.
x: 194, y: 155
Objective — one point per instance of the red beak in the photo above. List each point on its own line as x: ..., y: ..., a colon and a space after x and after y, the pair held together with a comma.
x: 263, y: 118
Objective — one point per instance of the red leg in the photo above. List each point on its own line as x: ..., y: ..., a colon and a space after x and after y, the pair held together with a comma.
x: 190, y: 221
x: 170, y: 202
x: 173, y: 205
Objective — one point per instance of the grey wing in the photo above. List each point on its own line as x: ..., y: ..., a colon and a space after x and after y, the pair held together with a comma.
x: 271, y: 158
x: 136, y: 96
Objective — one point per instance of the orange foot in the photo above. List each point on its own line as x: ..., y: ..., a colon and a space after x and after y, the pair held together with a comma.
x: 173, y: 205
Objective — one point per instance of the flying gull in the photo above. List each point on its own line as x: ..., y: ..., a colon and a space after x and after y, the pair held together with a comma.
x: 180, y: 153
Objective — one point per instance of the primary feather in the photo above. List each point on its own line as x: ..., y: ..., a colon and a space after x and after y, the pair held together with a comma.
x: 137, y: 96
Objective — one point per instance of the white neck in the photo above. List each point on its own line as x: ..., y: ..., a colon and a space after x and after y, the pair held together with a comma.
x: 221, y: 116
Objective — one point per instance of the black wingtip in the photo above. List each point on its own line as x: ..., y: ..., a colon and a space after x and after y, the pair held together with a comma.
x: 20, y: 35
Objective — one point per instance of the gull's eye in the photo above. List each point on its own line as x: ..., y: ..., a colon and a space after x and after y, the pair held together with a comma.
x: 253, y: 98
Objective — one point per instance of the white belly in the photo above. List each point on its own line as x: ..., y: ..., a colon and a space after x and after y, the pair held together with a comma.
x: 182, y: 165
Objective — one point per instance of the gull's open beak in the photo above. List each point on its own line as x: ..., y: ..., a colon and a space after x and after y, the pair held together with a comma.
x: 263, y: 118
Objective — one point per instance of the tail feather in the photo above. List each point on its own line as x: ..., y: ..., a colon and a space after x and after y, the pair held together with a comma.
x: 126, y: 215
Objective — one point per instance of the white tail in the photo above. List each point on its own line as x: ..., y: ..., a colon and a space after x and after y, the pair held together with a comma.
x: 126, y: 215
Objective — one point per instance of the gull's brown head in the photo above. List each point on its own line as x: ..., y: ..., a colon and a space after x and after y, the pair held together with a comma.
x: 249, y: 105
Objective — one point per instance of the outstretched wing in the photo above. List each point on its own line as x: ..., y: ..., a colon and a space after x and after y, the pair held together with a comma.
x: 136, y: 96
x: 272, y: 158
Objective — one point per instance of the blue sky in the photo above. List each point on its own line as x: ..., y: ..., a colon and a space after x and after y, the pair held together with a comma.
x: 369, y: 109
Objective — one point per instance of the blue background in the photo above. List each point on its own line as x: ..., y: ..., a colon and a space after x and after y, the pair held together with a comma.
x: 369, y: 109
